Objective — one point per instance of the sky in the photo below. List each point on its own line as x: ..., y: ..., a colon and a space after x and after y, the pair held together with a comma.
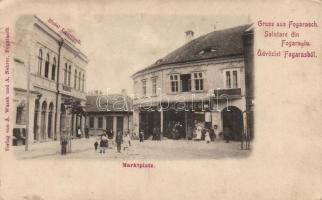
x: 119, y: 45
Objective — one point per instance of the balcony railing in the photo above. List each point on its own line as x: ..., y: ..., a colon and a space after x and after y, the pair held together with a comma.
x: 230, y: 93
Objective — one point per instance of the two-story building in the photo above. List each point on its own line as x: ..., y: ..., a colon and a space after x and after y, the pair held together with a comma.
x: 51, y: 69
x: 202, y: 82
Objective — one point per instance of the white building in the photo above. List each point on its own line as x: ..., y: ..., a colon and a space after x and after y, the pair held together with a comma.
x: 201, y: 82
x: 56, y: 70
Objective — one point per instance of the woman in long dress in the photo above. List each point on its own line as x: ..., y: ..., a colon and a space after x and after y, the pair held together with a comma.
x: 198, y: 132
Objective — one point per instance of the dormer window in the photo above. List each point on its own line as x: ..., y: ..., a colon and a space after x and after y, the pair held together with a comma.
x: 207, y: 50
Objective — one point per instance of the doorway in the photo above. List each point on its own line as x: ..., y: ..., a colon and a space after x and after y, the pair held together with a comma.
x: 232, y: 122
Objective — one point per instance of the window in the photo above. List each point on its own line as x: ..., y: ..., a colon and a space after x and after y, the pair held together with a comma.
x: 79, y: 80
x: 235, y: 80
x: 39, y: 61
x: 83, y: 83
x: 75, y: 79
x: 185, y: 82
x: 198, y: 79
x: 228, y: 81
x: 91, y: 122
x: 69, y: 74
x: 144, y: 87
x: 174, y: 83
x: 20, y: 116
x: 53, y: 69
x: 47, y: 66
x: 65, y: 74
x: 154, y: 86
x: 100, y: 122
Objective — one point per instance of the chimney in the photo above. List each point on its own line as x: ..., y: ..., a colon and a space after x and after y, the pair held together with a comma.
x: 189, y: 35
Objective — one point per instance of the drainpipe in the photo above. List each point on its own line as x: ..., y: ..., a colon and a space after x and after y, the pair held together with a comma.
x: 60, y: 44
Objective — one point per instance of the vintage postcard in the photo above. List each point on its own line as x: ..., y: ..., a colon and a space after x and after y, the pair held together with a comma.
x: 161, y: 99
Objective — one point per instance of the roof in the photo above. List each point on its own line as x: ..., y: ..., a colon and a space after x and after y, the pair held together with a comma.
x: 108, y: 103
x: 216, y: 44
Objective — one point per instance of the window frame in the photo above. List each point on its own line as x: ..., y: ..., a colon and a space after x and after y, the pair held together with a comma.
x: 20, y: 115
x: 83, y: 83
x: 198, y: 81
x: 40, y: 59
x: 144, y: 87
x: 233, y: 80
x: 91, y: 122
x: 99, y: 122
x: 65, y: 73
x: 47, y: 64
x: 53, y: 69
x: 75, y: 79
x: 79, y: 80
x: 69, y: 74
x: 174, y: 83
x: 154, y: 85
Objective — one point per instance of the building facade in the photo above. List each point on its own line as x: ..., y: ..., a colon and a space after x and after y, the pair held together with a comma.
x: 52, y: 70
x: 202, y: 82
x: 113, y: 112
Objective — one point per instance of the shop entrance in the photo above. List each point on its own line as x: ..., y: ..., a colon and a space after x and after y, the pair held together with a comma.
x: 109, y: 123
x: 148, y: 121
x: 119, y: 125
x: 175, y: 126
x: 232, y: 122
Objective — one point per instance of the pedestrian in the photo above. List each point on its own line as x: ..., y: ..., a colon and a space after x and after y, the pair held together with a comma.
x: 79, y: 132
x: 158, y: 134
x: 103, y: 143
x: 95, y: 145
x: 64, y: 143
x: 86, y: 132
x: 198, y: 131
x: 227, y: 134
x: 129, y: 137
x: 141, y: 135
x: 119, y: 140
x: 110, y: 136
x: 207, y: 136
x: 212, y: 134
x: 126, y: 141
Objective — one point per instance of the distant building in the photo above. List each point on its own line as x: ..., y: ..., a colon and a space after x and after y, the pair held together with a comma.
x: 112, y: 111
x: 206, y: 81
x: 57, y: 73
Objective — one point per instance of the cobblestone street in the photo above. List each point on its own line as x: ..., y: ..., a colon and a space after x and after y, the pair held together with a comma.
x: 165, y: 149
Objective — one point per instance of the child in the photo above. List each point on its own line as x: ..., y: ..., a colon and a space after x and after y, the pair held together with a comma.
x: 96, y: 145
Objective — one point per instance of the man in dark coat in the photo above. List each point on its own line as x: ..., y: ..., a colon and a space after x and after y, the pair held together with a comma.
x: 86, y: 132
x: 118, y: 140
x: 141, y: 135
x: 64, y: 143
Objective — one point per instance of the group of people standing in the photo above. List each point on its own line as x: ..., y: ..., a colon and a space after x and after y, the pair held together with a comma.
x: 202, y: 133
x: 107, y: 140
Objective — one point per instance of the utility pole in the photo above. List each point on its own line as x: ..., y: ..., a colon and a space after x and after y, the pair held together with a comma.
x: 28, y: 104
